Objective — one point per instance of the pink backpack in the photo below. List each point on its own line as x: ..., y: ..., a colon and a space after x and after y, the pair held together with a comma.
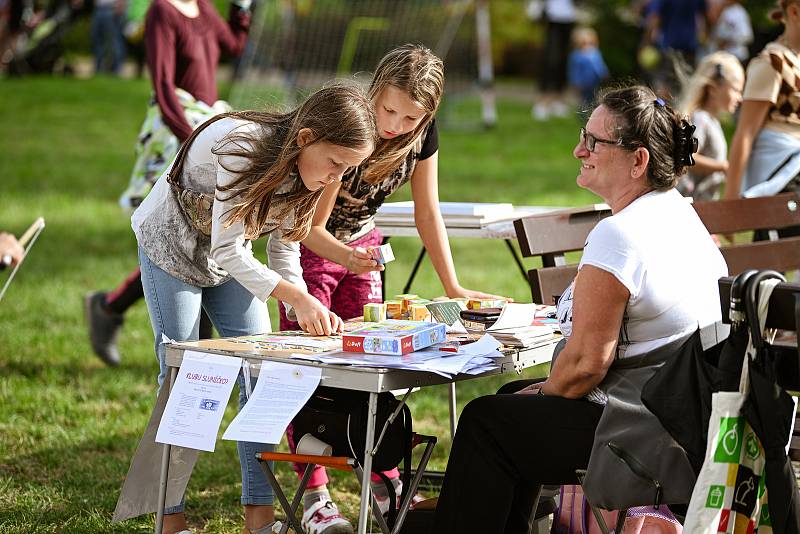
x: 574, y: 516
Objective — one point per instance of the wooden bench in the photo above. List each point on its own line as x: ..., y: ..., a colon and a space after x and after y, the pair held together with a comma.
x: 552, y: 236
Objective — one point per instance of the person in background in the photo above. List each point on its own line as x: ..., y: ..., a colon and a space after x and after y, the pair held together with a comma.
x: 586, y: 68
x: 647, y: 279
x: 765, y: 150
x: 674, y: 27
x: 265, y: 173
x: 184, y: 40
x: 559, y: 17
x: 108, y: 42
x: 714, y: 88
x: 731, y: 30
x: 405, y: 91
x: 11, y: 252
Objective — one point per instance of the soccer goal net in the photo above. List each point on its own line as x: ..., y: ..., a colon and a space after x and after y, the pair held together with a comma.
x: 297, y: 45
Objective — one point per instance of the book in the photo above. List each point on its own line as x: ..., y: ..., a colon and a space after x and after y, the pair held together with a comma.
x: 289, y: 340
x: 394, y: 337
x: 515, y: 327
x: 446, y: 311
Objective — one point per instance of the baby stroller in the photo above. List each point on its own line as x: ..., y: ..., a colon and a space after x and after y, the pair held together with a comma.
x: 39, y: 48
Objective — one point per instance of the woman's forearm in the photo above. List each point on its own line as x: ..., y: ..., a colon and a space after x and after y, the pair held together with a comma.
x: 741, y: 146
x: 571, y: 377
x: 752, y: 116
x: 704, y: 165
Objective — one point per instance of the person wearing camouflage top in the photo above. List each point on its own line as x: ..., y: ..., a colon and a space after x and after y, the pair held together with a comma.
x: 337, y: 267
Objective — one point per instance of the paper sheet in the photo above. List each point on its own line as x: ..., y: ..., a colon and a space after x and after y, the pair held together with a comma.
x: 514, y: 315
x: 197, y: 403
x: 282, y: 389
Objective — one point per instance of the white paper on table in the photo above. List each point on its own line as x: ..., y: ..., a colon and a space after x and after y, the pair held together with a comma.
x: 456, y: 328
x: 282, y: 389
x: 514, y: 315
x: 198, y: 399
x: 486, y: 346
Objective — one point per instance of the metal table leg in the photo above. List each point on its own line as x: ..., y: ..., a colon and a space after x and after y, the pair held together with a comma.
x: 453, y: 410
x: 414, y: 270
x: 372, y: 412
x: 164, y: 477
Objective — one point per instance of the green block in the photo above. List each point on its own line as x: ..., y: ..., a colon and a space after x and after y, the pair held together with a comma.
x: 716, y: 497
x: 729, y: 442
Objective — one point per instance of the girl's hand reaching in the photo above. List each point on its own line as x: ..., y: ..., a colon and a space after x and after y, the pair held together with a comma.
x: 360, y: 261
x: 315, y: 318
x: 473, y: 294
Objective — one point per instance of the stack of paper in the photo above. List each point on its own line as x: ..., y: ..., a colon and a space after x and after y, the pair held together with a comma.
x: 524, y: 336
x: 473, y: 358
x: 515, y: 327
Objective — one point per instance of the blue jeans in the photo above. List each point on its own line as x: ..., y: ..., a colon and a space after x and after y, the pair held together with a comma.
x: 107, y: 38
x: 174, y: 308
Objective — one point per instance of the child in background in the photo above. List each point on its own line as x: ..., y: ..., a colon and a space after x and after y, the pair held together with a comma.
x: 714, y: 88
x: 732, y: 31
x: 586, y: 68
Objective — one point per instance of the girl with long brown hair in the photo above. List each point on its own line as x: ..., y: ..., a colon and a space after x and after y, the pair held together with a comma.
x: 238, y: 177
x: 405, y: 91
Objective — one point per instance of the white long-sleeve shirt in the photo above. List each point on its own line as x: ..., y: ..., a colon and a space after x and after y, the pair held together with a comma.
x: 169, y: 240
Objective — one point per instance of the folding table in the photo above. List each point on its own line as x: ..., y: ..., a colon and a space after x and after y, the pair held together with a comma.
x: 373, y: 380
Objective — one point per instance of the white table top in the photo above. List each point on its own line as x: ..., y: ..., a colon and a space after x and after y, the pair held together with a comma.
x: 374, y: 379
x: 400, y: 222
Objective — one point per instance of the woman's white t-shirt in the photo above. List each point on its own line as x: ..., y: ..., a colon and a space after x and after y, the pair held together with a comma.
x: 658, y: 248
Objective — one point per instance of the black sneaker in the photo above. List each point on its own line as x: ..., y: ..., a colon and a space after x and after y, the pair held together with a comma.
x: 104, y: 327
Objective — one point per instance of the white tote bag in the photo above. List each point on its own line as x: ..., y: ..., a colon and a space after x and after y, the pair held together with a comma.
x: 730, y: 494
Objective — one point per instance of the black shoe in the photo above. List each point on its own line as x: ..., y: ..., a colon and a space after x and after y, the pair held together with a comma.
x: 104, y: 327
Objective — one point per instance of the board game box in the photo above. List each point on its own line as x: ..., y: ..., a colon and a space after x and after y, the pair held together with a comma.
x: 394, y: 337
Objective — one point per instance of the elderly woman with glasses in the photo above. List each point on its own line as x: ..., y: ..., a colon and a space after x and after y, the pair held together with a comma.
x: 648, y: 277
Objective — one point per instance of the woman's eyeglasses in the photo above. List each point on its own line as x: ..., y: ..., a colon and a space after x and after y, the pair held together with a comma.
x: 590, y: 141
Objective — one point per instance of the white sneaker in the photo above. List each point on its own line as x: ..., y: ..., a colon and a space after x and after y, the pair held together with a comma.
x: 323, y: 517
x: 540, y: 112
x: 559, y: 109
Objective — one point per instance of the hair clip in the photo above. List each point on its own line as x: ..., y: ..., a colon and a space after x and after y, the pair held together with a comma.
x: 686, y: 144
x: 718, y: 74
x: 659, y: 102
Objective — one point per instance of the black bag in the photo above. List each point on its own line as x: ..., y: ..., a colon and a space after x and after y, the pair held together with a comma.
x: 339, y: 418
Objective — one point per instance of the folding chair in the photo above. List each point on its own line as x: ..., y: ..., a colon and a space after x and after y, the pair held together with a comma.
x: 621, y: 516
x: 342, y: 463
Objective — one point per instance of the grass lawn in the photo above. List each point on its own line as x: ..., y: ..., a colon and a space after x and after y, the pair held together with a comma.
x: 68, y: 424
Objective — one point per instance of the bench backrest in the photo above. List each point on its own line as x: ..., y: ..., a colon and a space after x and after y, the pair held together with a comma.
x: 551, y: 235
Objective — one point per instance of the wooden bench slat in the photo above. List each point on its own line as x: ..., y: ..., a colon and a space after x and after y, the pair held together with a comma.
x: 745, y: 214
x: 549, y: 282
x: 556, y: 232
x: 782, y: 255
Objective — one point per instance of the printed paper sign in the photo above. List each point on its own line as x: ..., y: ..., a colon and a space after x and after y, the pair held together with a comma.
x: 197, y: 402
x: 282, y: 389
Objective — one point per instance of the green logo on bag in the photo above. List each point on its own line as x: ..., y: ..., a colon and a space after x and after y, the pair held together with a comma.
x: 729, y: 443
x: 763, y: 518
x: 715, y: 497
x: 751, y: 446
